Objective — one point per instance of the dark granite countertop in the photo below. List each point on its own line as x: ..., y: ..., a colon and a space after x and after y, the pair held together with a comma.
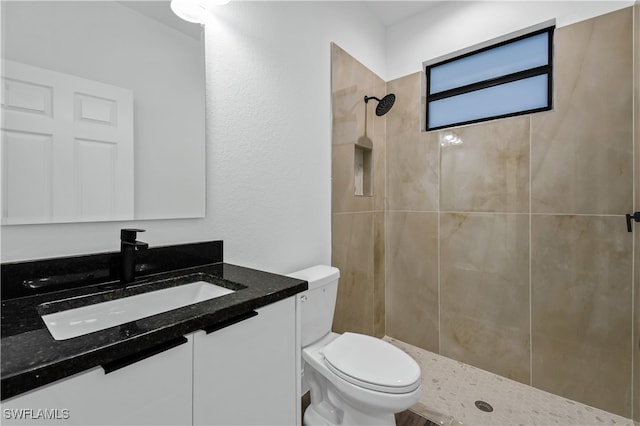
x: 30, y: 357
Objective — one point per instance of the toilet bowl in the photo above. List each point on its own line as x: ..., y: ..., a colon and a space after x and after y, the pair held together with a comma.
x: 354, y: 379
x: 349, y: 392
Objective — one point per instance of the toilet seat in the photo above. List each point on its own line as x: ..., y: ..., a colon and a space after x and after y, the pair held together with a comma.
x: 372, y: 363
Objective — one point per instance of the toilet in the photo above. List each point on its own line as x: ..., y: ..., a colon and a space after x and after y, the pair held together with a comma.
x: 354, y: 379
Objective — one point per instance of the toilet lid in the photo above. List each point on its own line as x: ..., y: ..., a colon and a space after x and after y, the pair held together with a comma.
x: 372, y: 363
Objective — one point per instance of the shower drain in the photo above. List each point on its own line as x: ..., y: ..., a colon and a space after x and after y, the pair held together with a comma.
x: 484, y: 406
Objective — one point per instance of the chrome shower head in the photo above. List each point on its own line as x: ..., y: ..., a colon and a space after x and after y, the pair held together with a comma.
x: 384, y: 104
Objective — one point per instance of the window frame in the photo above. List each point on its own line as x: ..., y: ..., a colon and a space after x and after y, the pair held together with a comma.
x: 496, y: 81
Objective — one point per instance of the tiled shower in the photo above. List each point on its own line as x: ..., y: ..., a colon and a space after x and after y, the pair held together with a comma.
x: 509, y: 251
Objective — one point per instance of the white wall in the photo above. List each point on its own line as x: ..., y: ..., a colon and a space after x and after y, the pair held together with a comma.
x: 270, y: 124
x: 456, y: 25
x: 268, y: 140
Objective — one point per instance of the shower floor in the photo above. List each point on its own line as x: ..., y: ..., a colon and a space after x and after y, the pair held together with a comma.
x: 450, y: 389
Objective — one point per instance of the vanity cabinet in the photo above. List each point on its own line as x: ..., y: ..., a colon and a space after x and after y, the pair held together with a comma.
x: 153, y: 391
x: 243, y: 373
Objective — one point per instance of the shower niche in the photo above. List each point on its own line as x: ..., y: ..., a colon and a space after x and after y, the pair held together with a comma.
x: 363, y: 167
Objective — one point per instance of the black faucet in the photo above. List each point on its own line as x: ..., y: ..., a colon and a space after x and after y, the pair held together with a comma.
x: 128, y: 246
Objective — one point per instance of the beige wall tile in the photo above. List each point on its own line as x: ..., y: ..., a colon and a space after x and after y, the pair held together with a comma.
x: 582, y: 372
x: 489, y: 171
x: 379, y: 274
x: 582, y: 151
x: 379, y: 152
x: 348, y: 111
x: 581, y: 282
x: 636, y: 338
x: 636, y: 95
x: 350, y: 82
x: 484, y: 291
x: 352, y: 254
x: 412, y: 278
x: 412, y: 156
x: 353, y: 121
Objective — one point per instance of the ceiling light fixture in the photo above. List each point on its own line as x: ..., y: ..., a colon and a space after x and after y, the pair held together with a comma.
x: 194, y: 10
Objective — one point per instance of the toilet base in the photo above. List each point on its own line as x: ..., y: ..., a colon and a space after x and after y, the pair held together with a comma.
x: 331, y: 408
x: 313, y: 418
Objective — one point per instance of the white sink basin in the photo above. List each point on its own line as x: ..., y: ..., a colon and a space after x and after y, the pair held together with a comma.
x: 87, y: 319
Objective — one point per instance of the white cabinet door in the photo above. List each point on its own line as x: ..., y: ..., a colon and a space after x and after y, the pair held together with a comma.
x: 245, y: 374
x: 67, y: 147
x: 153, y: 391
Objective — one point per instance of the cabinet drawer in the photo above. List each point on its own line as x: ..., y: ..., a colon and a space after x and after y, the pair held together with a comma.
x: 155, y: 390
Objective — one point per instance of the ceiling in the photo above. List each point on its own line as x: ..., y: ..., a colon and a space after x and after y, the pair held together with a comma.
x: 388, y: 12
x: 160, y: 11
x: 392, y: 12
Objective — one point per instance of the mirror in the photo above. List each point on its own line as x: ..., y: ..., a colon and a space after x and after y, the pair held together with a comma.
x: 103, y: 112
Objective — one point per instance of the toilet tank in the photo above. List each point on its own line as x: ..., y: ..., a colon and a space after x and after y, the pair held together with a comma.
x: 318, y: 303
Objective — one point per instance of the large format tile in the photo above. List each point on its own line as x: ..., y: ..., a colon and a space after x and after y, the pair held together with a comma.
x: 352, y: 122
x: 379, y: 125
x: 352, y: 254
x: 636, y: 338
x: 581, y: 307
x: 412, y: 278
x: 412, y: 155
x: 379, y: 274
x: 484, y: 291
x: 489, y: 171
x: 350, y: 82
x: 582, y: 158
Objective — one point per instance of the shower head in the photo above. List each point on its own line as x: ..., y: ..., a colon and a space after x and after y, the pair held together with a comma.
x: 384, y: 104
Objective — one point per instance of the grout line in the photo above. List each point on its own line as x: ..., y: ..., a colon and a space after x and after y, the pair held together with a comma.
x: 504, y: 213
x: 530, y: 256
x: 358, y: 212
x: 438, y: 254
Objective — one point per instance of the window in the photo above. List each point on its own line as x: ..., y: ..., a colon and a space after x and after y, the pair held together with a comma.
x: 509, y: 78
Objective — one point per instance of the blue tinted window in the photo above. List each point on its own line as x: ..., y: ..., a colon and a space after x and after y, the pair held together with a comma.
x: 507, y: 79
x: 496, y: 101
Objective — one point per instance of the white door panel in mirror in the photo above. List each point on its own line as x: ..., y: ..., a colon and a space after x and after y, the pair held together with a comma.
x: 68, y: 148
x: 140, y: 46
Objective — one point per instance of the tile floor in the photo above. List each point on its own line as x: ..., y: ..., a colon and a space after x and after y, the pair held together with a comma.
x: 450, y: 389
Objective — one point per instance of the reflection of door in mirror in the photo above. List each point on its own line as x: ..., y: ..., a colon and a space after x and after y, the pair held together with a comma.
x: 141, y: 46
x: 67, y: 148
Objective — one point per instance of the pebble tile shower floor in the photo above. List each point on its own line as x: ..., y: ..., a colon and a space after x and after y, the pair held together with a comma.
x: 451, y: 388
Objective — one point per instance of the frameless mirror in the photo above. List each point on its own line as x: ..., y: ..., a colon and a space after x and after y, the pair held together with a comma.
x: 103, y: 110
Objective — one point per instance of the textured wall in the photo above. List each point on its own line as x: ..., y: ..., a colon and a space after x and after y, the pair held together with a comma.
x: 510, y: 252
x: 357, y: 221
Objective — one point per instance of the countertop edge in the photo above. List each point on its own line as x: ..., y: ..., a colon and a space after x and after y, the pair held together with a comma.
x: 15, y: 384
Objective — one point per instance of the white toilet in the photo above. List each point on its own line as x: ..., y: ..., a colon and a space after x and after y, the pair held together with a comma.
x: 354, y: 379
